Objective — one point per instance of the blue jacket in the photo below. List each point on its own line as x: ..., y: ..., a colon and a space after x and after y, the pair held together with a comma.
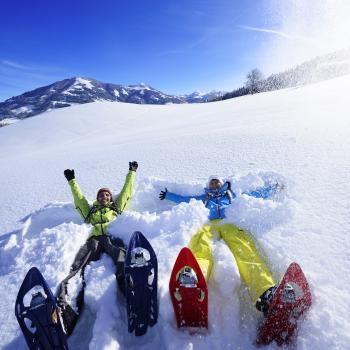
x: 218, y: 200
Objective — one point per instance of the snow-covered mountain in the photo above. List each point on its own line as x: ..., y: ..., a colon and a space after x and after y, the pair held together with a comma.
x: 299, y: 136
x: 198, y: 96
x: 80, y: 90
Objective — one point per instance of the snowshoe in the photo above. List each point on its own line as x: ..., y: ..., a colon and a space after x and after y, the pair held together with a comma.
x: 141, y: 280
x: 188, y: 291
x: 39, y: 319
x: 290, y: 302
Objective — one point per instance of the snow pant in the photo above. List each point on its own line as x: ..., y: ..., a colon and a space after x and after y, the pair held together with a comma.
x: 90, y: 251
x: 252, y: 268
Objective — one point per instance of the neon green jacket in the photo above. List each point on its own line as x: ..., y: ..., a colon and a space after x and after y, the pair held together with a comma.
x: 100, y: 216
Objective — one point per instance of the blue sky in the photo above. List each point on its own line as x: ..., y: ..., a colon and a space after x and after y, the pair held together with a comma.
x: 175, y: 46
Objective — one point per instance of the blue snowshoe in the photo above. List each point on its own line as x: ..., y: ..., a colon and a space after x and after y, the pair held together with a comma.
x: 141, y: 279
x: 39, y: 319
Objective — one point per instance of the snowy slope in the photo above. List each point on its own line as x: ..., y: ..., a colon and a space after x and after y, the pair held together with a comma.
x: 298, y: 136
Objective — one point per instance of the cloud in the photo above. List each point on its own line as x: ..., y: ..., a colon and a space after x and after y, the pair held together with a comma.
x: 26, y: 67
x: 206, y: 37
x: 12, y: 64
x: 15, y: 77
x: 275, y: 32
x: 12, y: 72
x: 170, y: 52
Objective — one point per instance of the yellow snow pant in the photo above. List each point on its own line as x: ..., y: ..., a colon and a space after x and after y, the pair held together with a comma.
x: 252, y: 268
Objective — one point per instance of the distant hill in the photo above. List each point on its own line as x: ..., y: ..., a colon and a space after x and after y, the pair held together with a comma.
x: 318, y: 69
x: 80, y: 90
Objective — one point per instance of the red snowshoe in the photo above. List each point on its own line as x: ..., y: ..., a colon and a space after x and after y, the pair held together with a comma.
x: 291, y: 301
x: 188, y: 291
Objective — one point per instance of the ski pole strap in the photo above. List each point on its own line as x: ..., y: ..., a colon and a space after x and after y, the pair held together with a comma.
x: 95, y: 208
x: 92, y: 210
x: 114, y: 208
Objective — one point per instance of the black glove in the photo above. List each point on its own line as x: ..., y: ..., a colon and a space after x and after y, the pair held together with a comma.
x: 133, y: 166
x: 69, y: 174
x: 162, y: 194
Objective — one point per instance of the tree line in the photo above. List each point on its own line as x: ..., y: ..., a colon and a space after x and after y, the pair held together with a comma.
x: 321, y: 68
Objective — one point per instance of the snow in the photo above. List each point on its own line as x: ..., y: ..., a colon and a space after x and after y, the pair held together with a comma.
x: 67, y: 92
x: 60, y: 102
x: 116, y: 93
x: 335, y: 63
x: 197, y: 94
x: 80, y: 84
x: 23, y: 109
x: 7, y: 121
x: 141, y: 86
x: 298, y: 136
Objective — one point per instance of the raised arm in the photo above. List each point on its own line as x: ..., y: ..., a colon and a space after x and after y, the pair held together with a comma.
x: 127, y: 190
x: 264, y: 192
x: 80, y: 202
x: 178, y: 198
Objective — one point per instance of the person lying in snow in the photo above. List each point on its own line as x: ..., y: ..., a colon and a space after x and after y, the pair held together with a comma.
x: 100, y: 214
x: 253, y: 270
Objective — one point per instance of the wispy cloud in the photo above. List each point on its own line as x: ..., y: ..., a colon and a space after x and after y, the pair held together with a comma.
x: 16, y: 78
x: 12, y: 64
x: 205, y: 37
x: 170, y: 52
x: 275, y: 32
x: 28, y: 67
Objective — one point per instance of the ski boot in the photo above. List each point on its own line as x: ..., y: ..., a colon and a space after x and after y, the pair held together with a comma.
x: 69, y: 317
x: 265, y: 300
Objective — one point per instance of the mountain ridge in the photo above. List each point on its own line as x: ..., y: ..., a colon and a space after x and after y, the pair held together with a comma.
x: 79, y: 90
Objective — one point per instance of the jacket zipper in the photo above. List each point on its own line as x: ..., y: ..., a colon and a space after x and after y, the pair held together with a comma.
x: 217, y: 201
x: 101, y: 223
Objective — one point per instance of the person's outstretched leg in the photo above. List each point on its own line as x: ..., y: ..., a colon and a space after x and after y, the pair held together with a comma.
x: 88, y: 252
x: 253, y: 270
x: 116, y: 249
x: 200, y: 246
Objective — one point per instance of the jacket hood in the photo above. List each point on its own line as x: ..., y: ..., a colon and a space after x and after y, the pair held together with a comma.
x: 214, y: 177
x: 222, y: 190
